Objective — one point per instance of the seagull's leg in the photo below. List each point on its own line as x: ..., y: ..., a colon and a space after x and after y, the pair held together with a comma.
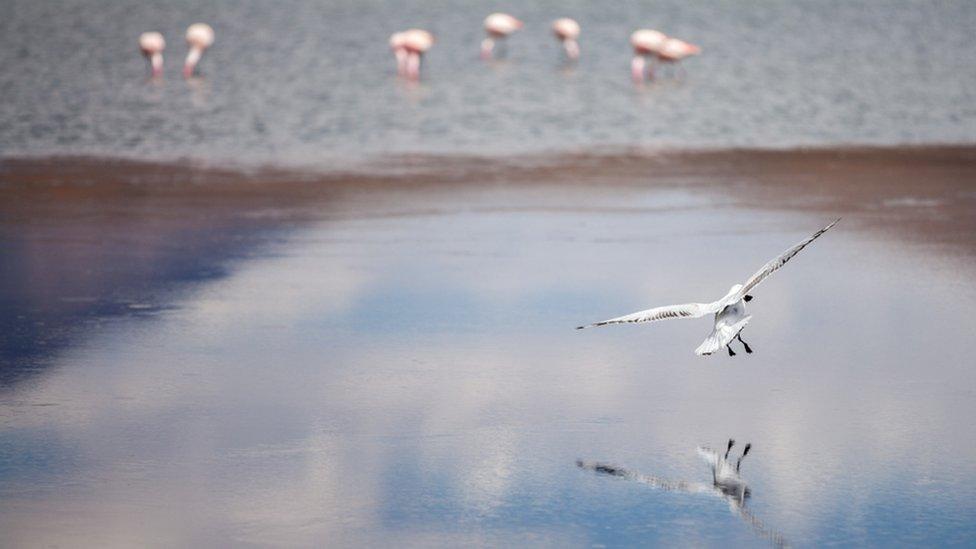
x: 744, y: 453
x: 729, y: 347
x: 744, y: 344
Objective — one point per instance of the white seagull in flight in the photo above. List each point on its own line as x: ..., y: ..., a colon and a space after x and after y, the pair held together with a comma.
x: 730, y: 311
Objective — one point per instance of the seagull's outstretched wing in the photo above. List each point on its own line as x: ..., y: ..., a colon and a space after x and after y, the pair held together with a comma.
x: 772, y: 266
x: 761, y: 530
x: 650, y: 480
x: 688, y: 310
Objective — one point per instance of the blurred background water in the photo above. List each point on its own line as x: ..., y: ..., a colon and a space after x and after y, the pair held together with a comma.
x: 313, y: 83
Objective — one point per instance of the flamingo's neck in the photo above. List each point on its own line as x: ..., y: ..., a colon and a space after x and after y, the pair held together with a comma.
x: 401, y: 57
x: 413, y: 65
x: 192, y: 59
x: 156, y: 61
x: 487, y: 45
x: 637, y: 68
x: 572, y: 48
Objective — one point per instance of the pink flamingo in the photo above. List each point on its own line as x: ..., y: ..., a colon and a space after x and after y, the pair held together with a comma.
x: 199, y: 36
x: 152, y: 45
x: 396, y: 44
x: 674, y: 50
x: 645, y: 42
x: 567, y: 31
x: 498, y: 26
x: 416, y: 42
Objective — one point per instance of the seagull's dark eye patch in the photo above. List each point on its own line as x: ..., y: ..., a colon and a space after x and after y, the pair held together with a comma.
x: 747, y: 298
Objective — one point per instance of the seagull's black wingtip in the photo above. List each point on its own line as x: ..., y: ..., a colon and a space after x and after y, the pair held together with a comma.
x: 580, y: 327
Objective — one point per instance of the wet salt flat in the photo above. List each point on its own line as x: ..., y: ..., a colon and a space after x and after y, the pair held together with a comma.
x: 401, y: 368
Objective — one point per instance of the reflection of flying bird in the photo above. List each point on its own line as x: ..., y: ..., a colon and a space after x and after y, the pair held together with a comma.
x: 199, y: 36
x: 725, y: 477
x: 730, y: 310
x: 152, y: 44
x: 498, y: 26
x: 567, y: 31
x: 726, y: 484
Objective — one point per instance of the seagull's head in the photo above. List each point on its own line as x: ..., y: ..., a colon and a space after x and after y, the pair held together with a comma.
x: 747, y: 298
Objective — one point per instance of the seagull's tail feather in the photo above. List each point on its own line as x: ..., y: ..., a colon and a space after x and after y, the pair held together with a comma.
x: 709, y: 346
x: 721, y: 336
x: 710, y: 456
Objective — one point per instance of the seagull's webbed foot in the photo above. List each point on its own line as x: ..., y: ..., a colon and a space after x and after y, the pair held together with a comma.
x: 731, y: 352
x: 744, y: 344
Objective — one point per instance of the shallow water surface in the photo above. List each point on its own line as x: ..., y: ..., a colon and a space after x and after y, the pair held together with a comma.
x: 403, y: 369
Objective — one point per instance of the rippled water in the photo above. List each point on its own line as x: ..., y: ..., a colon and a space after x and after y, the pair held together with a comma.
x: 312, y: 83
x: 403, y: 370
